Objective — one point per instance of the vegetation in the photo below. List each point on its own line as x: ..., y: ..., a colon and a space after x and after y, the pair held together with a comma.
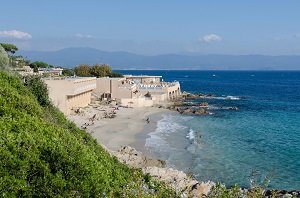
x: 258, y: 186
x: 39, y: 64
x: 4, y: 60
x: 220, y: 191
x: 68, y: 72
x: 42, y: 154
x: 82, y: 70
x: 9, y: 48
x: 96, y: 71
x: 38, y: 88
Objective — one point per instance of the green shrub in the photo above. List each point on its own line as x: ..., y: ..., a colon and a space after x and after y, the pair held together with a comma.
x: 220, y: 191
x: 4, y: 60
x: 42, y: 154
x: 38, y: 88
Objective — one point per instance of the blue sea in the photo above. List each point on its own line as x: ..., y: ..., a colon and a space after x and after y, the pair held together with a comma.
x: 259, y: 140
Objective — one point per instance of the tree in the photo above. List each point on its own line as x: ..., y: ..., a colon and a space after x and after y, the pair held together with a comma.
x: 68, y: 72
x: 82, y: 70
x: 97, y: 71
x: 106, y: 69
x: 115, y: 75
x: 38, y: 64
x: 100, y: 70
x: 4, y: 60
x: 9, y: 48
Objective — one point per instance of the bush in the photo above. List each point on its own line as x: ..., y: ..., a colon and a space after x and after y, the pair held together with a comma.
x: 42, y: 154
x: 39, y: 89
x: 115, y: 75
x: 4, y: 60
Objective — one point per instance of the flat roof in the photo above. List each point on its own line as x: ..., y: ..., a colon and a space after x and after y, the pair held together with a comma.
x: 109, y: 78
x: 141, y: 76
x: 70, y: 78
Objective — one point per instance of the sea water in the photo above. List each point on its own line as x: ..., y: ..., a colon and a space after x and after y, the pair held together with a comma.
x: 259, y: 140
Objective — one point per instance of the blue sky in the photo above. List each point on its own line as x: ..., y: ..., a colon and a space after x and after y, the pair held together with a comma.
x: 154, y: 27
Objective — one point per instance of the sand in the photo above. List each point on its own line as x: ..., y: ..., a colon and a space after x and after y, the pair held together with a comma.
x: 120, y: 131
x: 130, y: 127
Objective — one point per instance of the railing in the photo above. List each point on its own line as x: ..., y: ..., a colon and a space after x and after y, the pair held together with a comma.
x: 150, y: 87
x: 157, y: 86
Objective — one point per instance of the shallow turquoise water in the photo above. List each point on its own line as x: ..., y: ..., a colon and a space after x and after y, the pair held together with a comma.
x: 262, y: 137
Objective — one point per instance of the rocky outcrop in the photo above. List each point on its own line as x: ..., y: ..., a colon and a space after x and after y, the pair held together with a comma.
x: 192, y: 110
x: 281, y: 193
x: 185, y: 185
x: 181, y: 182
x: 136, y: 159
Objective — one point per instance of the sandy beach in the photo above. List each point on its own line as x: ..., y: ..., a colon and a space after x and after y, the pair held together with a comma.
x: 124, y: 136
x: 123, y: 129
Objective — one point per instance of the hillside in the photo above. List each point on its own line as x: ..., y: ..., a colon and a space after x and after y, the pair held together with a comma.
x: 42, y: 154
x: 71, y: 57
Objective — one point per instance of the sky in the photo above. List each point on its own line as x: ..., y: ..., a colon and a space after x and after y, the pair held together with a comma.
x: 269, y: 27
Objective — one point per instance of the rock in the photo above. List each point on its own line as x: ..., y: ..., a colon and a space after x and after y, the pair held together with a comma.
x: 202, y: 189
x: 135, y: 159
x: 188, y: 111
x: 201, y: 111
x: 178, y: 180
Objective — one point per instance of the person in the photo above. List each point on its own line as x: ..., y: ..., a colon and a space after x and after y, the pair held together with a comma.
x: 148, y: 120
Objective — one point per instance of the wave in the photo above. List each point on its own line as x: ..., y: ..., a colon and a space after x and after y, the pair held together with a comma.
x: 169, y: 124
x: 211, y: 107
x: 191, y: 134
x: 222, y: 97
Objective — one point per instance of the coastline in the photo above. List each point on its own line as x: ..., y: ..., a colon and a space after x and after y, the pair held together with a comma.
x: 124, y: 137
x: 140, y: 138
x: 129, y: 127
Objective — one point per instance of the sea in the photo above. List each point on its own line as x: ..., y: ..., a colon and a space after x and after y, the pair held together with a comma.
x: 257, y: 144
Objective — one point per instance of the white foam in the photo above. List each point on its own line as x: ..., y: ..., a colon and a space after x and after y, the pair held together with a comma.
x: 191, y: 134
x: 165, y: 127
x: 223, y: 97
x: 232, y: 98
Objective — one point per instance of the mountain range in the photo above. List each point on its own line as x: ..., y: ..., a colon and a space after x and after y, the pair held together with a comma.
x: 70, y: 57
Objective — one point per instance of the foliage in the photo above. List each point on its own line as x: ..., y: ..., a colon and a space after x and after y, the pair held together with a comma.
x: 11, y: 48
x: 82, y: 70
x: 19, y: 61
x: 4, y: 60
x: 96, y: 71
x: 42, y: 154
x: 220, y: 191
x: 115, y: 75
x: 38, y: 88
x: 68, y: 72
x: 100, y: 70
x: 39, y: 64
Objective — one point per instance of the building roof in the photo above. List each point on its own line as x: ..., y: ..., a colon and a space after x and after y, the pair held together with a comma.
x: 141, y: 76
x: 77, y: 79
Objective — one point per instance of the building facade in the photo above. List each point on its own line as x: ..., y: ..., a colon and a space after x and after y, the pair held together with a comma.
x: 137, y: 91
x: 70, y: 93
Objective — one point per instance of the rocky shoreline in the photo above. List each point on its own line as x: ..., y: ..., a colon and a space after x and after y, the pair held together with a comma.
x: 184, y: 184
x: 185, y: 107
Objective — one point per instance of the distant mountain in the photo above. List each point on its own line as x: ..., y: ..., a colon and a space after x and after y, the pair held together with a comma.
x: 71, y: 57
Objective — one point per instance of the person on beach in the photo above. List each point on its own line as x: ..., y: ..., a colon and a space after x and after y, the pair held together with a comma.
x: 148, y: 120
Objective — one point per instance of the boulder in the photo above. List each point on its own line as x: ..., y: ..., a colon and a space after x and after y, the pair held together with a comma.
x: 201, y: 189
x: 136, y: 159
x: 201, y: 111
